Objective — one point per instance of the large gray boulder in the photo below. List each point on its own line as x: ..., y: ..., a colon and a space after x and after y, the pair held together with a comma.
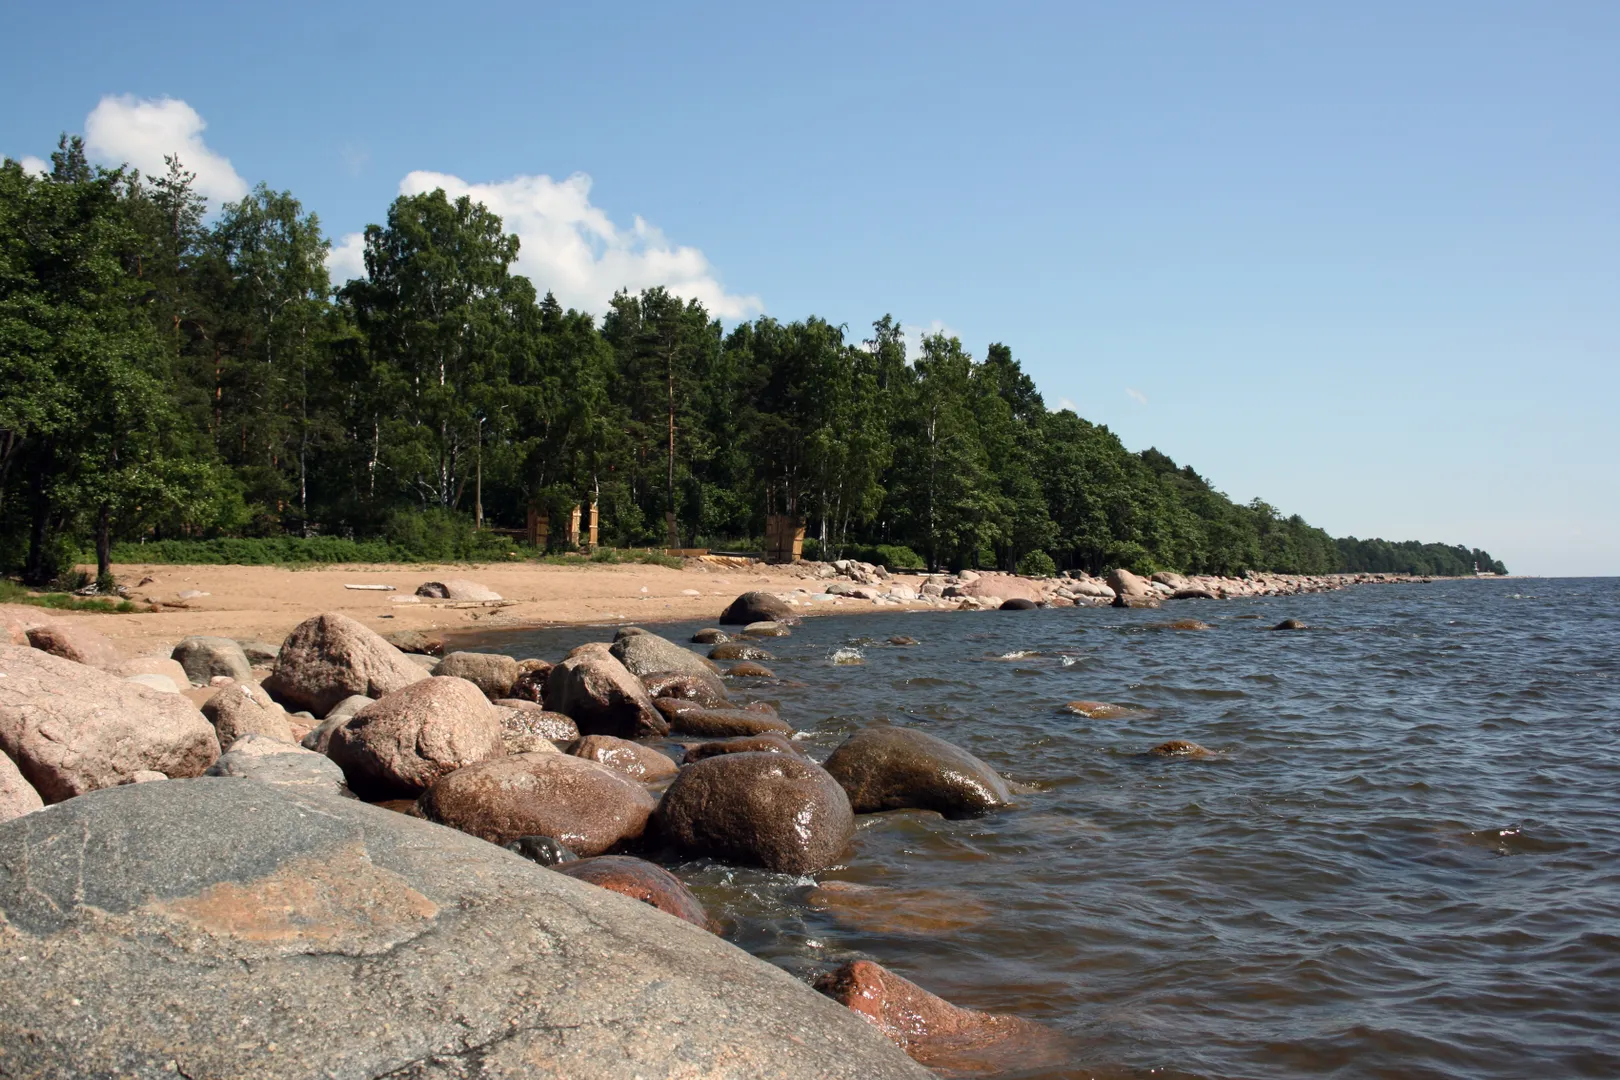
x: 647, y: 654
x: 72, y: 728
x: 492, y: 673
x: 600, y: 695
x: 203, y: 657
x: 894, y: 768
x: 330, y: 657
x: 400, y: 744
x: 201, y: 923
x: 270, y: 761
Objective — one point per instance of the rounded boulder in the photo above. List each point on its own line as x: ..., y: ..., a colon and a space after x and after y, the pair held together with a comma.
x: 401, y: 744
x: 894, y: 768
x: 639, y: 880
x: 621, y: 755
x: 778, y: 811
x: 583, y: 805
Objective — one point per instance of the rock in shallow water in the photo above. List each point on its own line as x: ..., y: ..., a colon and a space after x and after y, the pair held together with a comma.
x: 1100, y: 710
x: 602, y: 697
x: 1181, y: 748
x: 753, y: 607
x: 739, y: 650
x: 710, y: 636
x: 767, y: 743
x: 778, y: 811
x: 623, y: 756
x: 689, y: 718
x: 893, y: 768
x: 200, y: 922
x: 545, y: 850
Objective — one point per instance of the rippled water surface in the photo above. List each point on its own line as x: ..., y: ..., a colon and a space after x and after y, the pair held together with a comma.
x: 1404, y: 860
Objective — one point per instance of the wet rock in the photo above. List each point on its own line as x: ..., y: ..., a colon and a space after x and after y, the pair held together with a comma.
x: 270, y: 761
x: 1135, y: 601
x: 1018, y: 603
x: 640, y: 880
x: 946, y: 1037
x: 753, y: 607
x: 648, y: 654
x: 688, y: 718
x: 894, y: 768
x: 1181, y: 748
x: 1100, y: 710
x: 80, y: 644
x: 766, y: 629
x: 526, y: 720
x: 479, y: 963
x: 1291, y: 624
x: 901, y: 639
x: 738, y: 650
x: 878, y: 909
x: 330, y: 657
x: 492, y: 673
x: 530, y: 685
x: 748, y: 669
x: 71, y: 728
x: 621, y: 755
x: 601, y: 696
x: 778, y: 811
x: 544, y: 850
x: 402, y: 743
x: 17, y: 795
x: 414, y: 641
x: 1194, y: 592
x: 710, y: 636
x: 204, y: 657
x: 744, y: 744
x: 1188, y: 624
x: 243, y: 708
x: 706, y: 689
x: 584, y: 805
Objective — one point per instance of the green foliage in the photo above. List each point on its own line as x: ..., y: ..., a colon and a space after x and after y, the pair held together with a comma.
x: 1037, y: 564
x: 12, y: 593
x: 186, y: 387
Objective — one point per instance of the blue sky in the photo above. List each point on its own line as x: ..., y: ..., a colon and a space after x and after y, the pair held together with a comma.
x: 1362, y: 261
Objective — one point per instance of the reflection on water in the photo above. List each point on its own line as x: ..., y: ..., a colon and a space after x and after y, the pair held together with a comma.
x: 1404, y: 862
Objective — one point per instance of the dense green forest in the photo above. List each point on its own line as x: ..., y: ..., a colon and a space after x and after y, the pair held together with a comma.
x: 168, y: 376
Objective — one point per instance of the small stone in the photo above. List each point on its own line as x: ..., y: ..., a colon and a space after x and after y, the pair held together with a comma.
x: 748, y: 669
x: 541, y: 849
x: 710, y: 636
x: 738, y: 650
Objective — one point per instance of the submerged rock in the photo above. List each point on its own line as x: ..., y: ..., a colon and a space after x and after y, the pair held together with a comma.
x: 778, y: 811
x: 586, y: 806
x: 640, y: 880
x: 748, y: 669
x: 893, y: 768
x: 211, y: 919
x: 738, y: 650
x: 1100, y: 710
x: 936, y: 1033
x: 1181, y: 748
x: 1291, y: 624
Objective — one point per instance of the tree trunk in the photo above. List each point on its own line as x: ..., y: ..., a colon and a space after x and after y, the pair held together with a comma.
x: 673, y: 537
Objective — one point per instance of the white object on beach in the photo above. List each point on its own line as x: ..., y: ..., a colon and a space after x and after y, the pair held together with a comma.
x: 406, y: 599
x: 371, y: 588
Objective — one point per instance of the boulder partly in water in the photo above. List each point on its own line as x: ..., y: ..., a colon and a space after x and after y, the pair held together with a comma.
x: 778, y: 811
x: 894, y: 768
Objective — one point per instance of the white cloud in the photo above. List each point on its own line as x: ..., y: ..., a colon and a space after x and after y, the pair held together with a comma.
x: 1136, y: 395
x: 34, y: 165
x: 1065, y: 403
x: 123, y: 128
x: 914, y: 335
x: 573, y: 248
x: 347, y: 258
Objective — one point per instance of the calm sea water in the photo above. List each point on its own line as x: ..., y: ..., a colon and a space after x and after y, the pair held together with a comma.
x: 1403, y: 862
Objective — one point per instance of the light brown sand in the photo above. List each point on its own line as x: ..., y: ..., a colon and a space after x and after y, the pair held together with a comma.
x: 265, y: 602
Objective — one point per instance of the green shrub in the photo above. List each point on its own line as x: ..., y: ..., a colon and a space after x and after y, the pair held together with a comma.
x: 892, y: 557
x: 1037, y: 564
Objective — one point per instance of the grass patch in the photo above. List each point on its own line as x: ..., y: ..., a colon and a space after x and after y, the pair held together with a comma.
x: 12, y: 593
x: 298, y: 551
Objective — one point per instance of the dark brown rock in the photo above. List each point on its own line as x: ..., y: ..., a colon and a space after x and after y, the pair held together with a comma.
x: 621, y: 755
x: 710, y: 636
x: 953, y: 1040
x: 894, y: 768
x: 778, y: 811
x: 745, y: 744
x: 586, y: 806
x: 330, y: 657
x: 901, y: 639
x: 1291, y: 624
x: 640, y: 880
x: 752, y: 607
x: 1135, y: 601
x: 530, y: 684
x: 71, y: 728
x: 687, y: 718
x: 492, y: 673
x: 528, y: 720
x: 402, y: 743
x: 601, y: 696
x: 738, y: 650
x: 1181, y: 748
x: 1018, y: 603
x: 748, y: 669
x: 545, y: 850
x: 706, y: 689
x: 1195, y: 592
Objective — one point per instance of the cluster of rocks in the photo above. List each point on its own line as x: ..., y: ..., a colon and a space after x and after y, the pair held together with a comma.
x: 267, y: 857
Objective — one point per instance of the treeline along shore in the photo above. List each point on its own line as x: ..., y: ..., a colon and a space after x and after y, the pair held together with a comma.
x: 192, y: 382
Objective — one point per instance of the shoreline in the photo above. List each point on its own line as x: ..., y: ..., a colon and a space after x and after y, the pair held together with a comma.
x: 266, y: 602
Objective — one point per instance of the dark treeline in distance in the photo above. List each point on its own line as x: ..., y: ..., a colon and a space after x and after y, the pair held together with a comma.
x: 164, y: 376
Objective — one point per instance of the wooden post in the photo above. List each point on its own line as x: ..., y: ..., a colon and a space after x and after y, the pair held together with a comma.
x: 593, y: 525
x: 573, y: 527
